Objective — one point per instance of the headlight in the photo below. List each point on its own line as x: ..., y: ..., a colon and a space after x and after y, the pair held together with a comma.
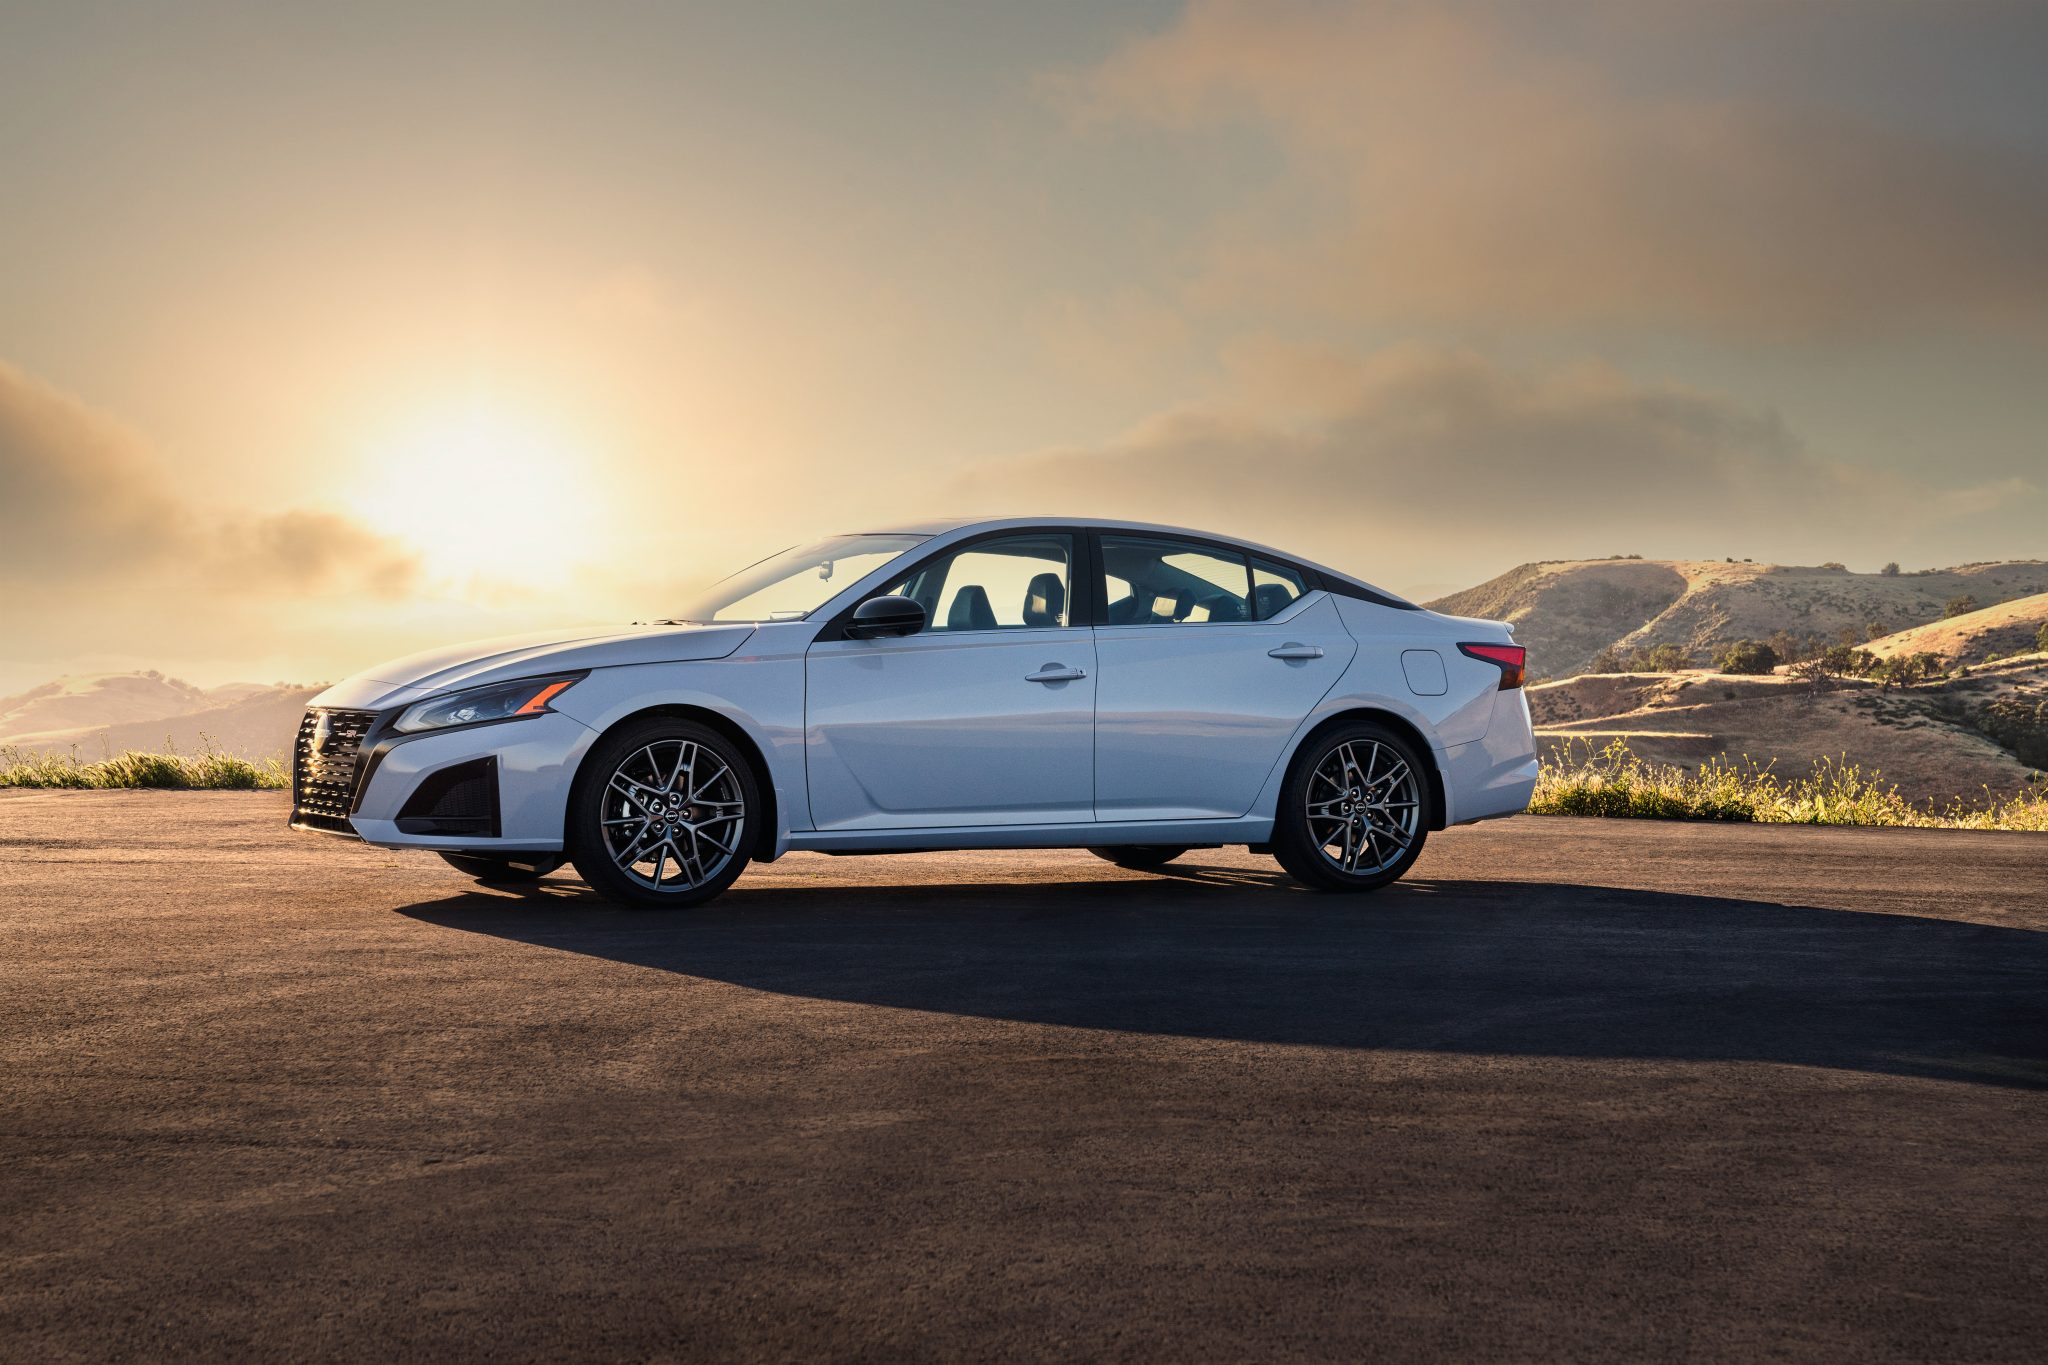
x: 499, y: 701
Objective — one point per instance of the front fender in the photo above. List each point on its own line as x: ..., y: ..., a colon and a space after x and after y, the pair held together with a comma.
x: 761, y: 697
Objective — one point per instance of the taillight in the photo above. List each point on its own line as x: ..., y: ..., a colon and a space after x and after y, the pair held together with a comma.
x: 1510, y: 659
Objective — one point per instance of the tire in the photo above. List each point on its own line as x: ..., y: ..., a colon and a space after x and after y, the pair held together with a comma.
x: 1384, y: 835
x: 500, y: 869
x: 630, y: 828
x: 1140, y: 857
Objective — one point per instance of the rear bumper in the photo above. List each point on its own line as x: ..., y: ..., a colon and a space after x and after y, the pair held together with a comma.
x: 1494, y: 776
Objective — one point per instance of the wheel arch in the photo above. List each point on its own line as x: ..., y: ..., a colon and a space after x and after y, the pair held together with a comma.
x: 1401, y: 726
x: 750, y: 749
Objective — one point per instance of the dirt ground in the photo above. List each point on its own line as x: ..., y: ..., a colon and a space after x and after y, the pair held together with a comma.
x: 1576, y: 1088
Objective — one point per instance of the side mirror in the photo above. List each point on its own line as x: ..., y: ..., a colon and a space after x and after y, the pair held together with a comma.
x: 881, y: 617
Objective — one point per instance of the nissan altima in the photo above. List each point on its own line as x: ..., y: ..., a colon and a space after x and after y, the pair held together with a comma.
x: 1135, y: 690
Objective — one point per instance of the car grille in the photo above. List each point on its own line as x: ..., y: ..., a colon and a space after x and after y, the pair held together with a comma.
x: 325, y: 768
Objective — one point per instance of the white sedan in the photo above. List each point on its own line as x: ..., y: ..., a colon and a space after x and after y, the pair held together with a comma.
x: 1031, y: 683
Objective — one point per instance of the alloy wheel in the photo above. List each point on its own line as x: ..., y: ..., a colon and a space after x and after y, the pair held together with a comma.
x: 672, y: 816
x: 1363, y: 808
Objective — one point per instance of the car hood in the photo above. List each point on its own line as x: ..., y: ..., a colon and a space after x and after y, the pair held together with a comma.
x: 522, y: 656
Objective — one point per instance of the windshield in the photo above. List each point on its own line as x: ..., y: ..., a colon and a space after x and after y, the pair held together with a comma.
x: 795, y: 583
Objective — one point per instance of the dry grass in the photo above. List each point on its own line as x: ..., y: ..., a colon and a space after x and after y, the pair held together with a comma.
x: 1611, y: 781
x: 207, y: 770
x: 1608, y: 781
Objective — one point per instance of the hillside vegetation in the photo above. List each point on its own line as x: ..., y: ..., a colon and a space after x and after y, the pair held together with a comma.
x: 1964, y: 735
x: 1614, y: 781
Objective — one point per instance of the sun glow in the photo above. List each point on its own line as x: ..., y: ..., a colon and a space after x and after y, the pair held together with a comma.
x: 487, y: 494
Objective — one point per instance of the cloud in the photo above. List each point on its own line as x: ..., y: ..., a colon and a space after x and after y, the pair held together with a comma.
x: 1428, y: 462
x: 1456, y: 162
x: 86, y: 503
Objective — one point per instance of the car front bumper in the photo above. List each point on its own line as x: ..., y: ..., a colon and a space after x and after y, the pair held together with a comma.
x: 527, y: 765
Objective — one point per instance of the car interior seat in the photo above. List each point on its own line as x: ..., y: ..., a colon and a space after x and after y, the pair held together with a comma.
x: 1045, y: 600
x: 1271, y: 599
x: 971, y: 610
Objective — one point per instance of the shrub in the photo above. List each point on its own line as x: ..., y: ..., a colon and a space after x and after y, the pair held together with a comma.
x: 1662, y: 659
x: 2041, y: 640
x: 1837, y: 565
x: 2019, y: 724
x: 1658, y: 659
x: 1960, y: 606
x: 1906, y: 670
x: 1890, y: 570
x: 1747, y: 656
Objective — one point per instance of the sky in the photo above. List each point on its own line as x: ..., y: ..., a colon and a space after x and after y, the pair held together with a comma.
x: 331, y: 332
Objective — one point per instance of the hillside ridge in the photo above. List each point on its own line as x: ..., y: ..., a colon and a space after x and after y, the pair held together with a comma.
x: 1568, y: 611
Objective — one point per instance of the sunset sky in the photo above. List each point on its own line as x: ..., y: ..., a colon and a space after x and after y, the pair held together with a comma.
x: 329, y: 331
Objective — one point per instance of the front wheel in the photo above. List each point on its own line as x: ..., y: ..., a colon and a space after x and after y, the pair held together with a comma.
x: 1139, y: 857
x: 1352, y: 815
x: 663, y: 814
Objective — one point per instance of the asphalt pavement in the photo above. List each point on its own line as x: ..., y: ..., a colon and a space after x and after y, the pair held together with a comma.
x: 1573, y: 1089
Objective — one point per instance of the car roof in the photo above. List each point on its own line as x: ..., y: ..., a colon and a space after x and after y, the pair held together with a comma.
x: 944, y: 526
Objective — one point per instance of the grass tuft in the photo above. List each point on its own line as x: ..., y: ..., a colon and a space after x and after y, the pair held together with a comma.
x: 207, y: 770
x: 1615, y: 783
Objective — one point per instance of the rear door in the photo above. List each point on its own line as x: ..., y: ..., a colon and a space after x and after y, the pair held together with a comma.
x: 984, y: 718
x: 1208, y: 660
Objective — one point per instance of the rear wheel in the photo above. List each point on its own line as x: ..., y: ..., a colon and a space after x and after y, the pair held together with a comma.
x: 663, y: 814
x: 1140, y: 857
x: 504, y: 869
x: 1352, y: 815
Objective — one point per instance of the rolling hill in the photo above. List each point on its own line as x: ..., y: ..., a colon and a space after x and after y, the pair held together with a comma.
x: 115, y: 711
x: 1925, y: 740
x: 1568, y: 611
x: 2005, y: 629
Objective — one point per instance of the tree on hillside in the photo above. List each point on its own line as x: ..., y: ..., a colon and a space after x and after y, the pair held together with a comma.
x: 1747, y: 656
x: 1874, y: 630
x: 1890, y: 570
x: 1960, y: 606
x: 1659, y: 659
x: 1832, y: 664
x: 1608, y: 660
x: 2041, y: 640
x: 1906, y: 670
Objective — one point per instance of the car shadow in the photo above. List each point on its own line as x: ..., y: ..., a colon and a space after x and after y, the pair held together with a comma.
x: 1477, y: 967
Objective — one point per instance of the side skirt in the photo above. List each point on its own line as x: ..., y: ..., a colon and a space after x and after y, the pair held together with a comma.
x: 1090, y: 835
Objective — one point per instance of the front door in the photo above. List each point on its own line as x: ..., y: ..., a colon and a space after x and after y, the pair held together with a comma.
x: 984, y: 718
x: 1208, y: 663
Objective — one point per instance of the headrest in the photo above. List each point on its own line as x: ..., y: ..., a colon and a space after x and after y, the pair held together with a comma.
x: 970, y: 610
x: 1270, y: 599
x: 1222, y: 606
x: 1045, y: 600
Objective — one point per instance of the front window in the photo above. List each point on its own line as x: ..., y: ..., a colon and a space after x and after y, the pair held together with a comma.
x: 1012, y: 583
x: 795, y: 583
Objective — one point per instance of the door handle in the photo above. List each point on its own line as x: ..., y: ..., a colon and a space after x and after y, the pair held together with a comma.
x: 1291, y: 650
x: 1053, y: 673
